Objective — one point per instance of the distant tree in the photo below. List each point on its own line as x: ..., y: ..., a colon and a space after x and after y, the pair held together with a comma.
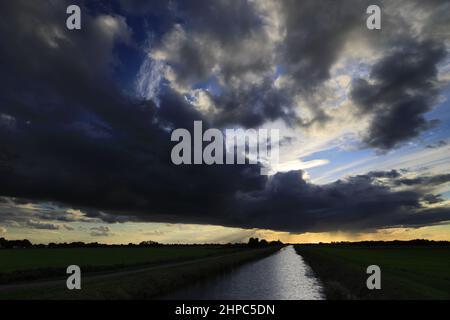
x: 17, y: 244
x: 148, y: 243
x: 276, y: 243
x: 26, y: 243
x: 253, y: 242
x: 3, y: 243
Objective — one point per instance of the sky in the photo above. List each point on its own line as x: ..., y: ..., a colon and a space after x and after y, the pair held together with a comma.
x: 86, y: 118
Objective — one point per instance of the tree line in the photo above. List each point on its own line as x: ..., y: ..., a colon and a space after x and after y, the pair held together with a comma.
x: 25, y: 243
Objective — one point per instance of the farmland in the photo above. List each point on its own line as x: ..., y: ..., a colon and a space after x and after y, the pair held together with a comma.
x: 113, y: 273
x: 408, y: 272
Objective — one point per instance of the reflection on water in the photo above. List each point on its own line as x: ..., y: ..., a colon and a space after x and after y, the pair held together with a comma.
x: 281, y: 276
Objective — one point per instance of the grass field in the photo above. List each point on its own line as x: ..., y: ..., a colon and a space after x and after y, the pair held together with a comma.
x: 148, y: 283
x: 406, y: 272
x: 31, y: 264
x: 25, y: 259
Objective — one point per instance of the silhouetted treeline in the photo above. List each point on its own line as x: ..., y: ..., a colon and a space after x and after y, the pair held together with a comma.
x: 9, y: 244
x: 252, y: 243
x: 255, y: 243
x: 21, y: 244
x: 416, y: 242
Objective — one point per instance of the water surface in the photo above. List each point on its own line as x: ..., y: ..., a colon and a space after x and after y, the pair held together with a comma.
x: 281, y: 276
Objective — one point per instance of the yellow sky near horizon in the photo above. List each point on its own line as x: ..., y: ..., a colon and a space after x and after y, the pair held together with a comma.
x: 189, y: 233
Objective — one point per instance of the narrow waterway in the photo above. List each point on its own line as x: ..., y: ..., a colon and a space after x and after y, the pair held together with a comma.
x: 281, y: 276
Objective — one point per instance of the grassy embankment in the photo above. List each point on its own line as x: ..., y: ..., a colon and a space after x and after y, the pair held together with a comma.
x: 406, y: 272
x: 37, y: 263
x: 168, y: 269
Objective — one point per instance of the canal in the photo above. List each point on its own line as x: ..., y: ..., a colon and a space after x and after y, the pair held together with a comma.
x: 283, y: 275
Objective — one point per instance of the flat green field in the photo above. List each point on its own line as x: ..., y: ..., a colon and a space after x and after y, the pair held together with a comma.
x: 147, y: 282
x: 407, y: 272
x: 28, y: 264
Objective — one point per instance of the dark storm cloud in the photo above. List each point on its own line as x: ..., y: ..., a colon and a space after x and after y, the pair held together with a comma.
x: 253, y: 106
x: 69, y: 134
x: 234, y: 41
x: 139, y: 7
x: 238, y: 43
x: 432, y: 199
x: 437, y: 145
x: 60, y: 214
x: 226, y: 42
x: 427, y: 217
x: 357, y: 203
x: 19, y: 212
x: 316, y: 32
x: 79, y: 141
x: 213, y: 39
x: 404, y: 88
x: 205, y: 28
x: 426, y: 181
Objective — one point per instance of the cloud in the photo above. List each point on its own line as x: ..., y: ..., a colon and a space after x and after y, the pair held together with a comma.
x: 439, y: 144
x: 393, y: 174
x: 267, y: 60
x: 3, y: 230
x: 316, y: 34
x: 426, y: 180
x: 357, y: 203
x: 101, y: 231
x: 154, y: 233
x: 227, y: 48
x: 40, y: 225
x: 78, y: 140
x: 242, y: 50
x: 68, y: 228
x: 433, y: 199
x: 403, y: 87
